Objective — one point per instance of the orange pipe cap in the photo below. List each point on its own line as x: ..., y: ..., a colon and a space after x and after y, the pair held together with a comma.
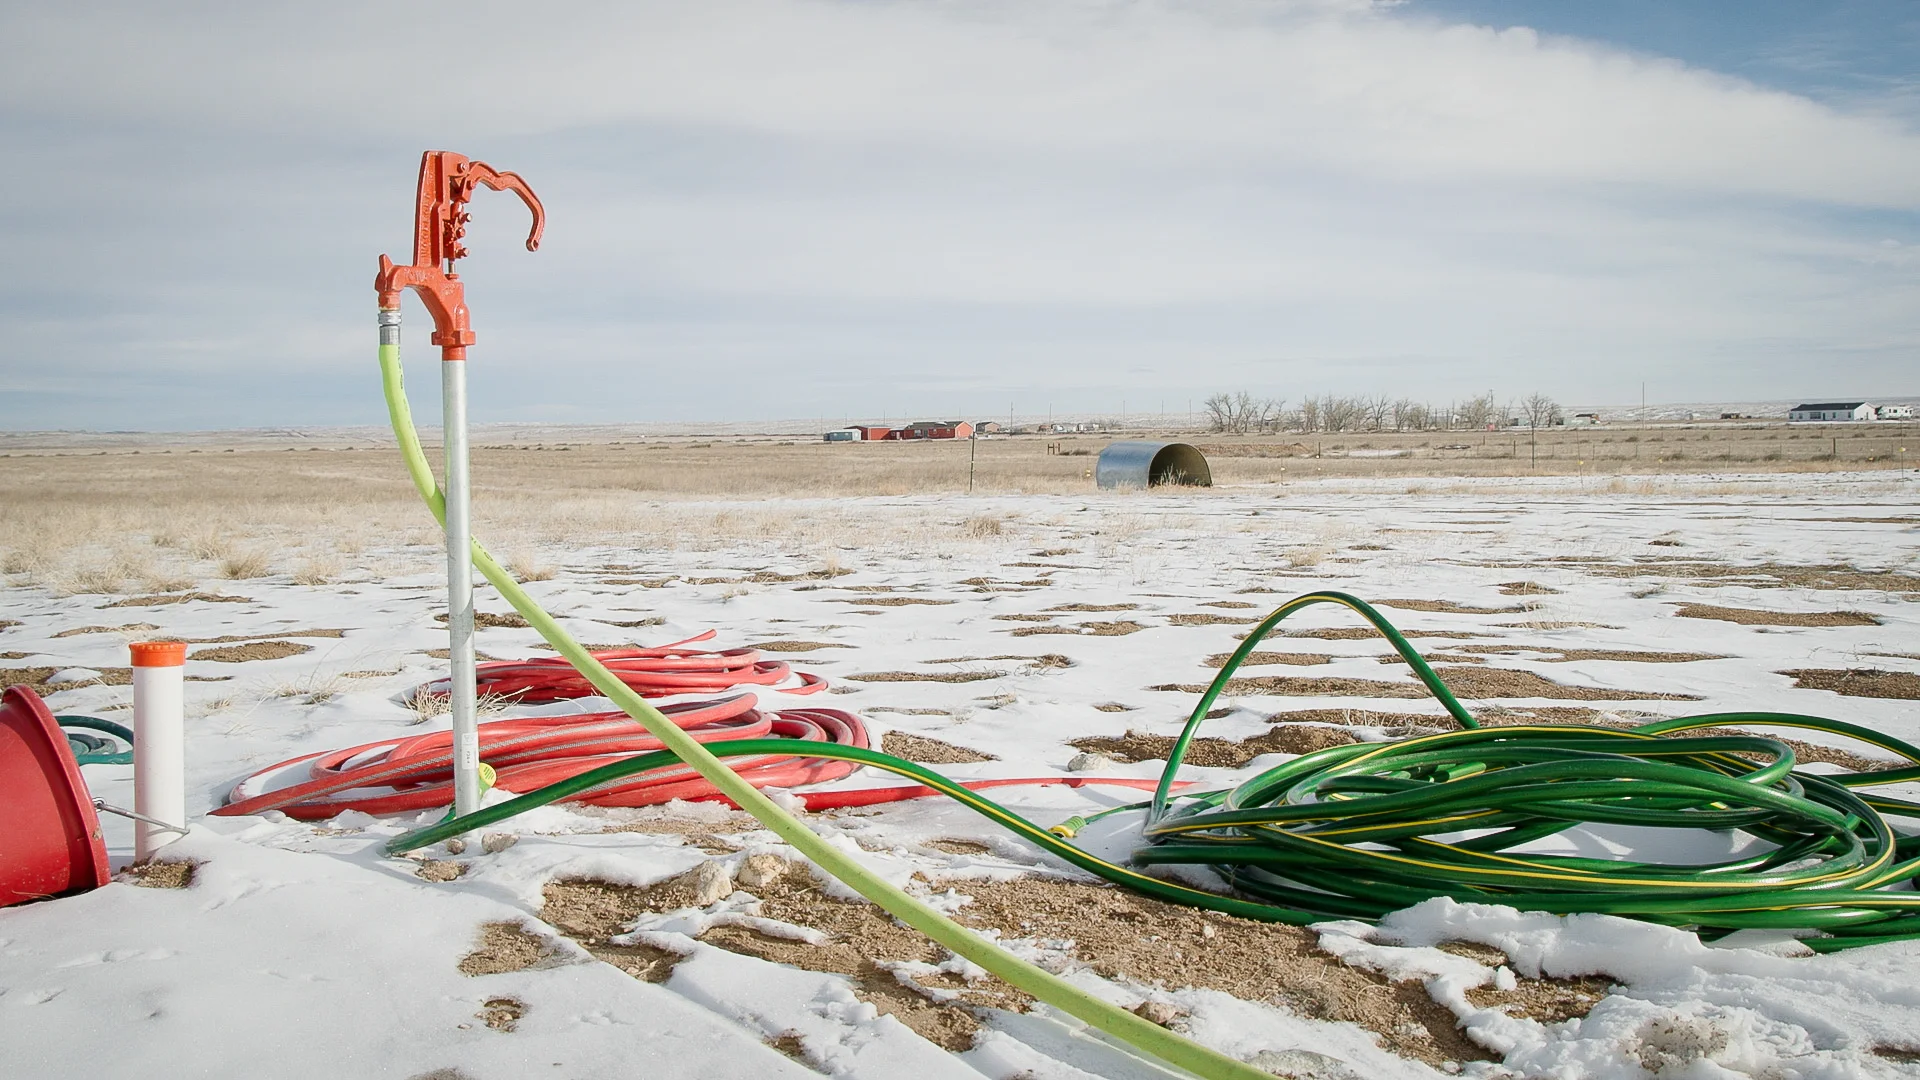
x: 159, y: 653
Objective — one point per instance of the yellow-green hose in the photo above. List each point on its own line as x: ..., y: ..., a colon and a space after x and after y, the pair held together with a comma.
x: 1143, y: 1034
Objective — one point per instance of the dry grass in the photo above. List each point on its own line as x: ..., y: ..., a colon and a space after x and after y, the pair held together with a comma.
x: 245, y: 565
x: 226, y: 506
x: 319, y: 570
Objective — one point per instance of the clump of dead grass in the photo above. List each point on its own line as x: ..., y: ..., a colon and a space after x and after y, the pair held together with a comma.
x: 246, y: 565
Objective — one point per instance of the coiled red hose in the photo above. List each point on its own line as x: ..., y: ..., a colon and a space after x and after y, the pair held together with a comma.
x: 655, y: 672
x: 531, y: 753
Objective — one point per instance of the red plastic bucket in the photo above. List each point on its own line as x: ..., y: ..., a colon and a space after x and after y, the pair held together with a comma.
x: 49, y: 835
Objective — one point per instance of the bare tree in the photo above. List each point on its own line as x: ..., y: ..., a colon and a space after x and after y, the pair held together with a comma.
x: 1341, y: 413
x: 1241, y: 412
x: 1219, y: 412
x: 1377, y: 409
x: 1540, y: 411
x: 1309, y: 414
x: 1476, y: 413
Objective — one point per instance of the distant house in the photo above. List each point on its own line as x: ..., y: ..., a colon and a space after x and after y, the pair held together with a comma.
x: 935, y: 429
x: 872, y: 432
x: 1584, y: 419
x: 845, y: 435
x: 1893, y: 412
x: 1832, y: 410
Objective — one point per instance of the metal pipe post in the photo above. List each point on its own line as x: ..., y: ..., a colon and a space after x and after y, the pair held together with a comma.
x: 466, y: 734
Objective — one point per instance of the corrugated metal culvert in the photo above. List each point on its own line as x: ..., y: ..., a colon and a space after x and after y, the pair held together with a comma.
x: 1140, y: 463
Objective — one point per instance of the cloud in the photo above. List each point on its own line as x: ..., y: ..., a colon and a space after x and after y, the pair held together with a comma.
x: 1044, y: 192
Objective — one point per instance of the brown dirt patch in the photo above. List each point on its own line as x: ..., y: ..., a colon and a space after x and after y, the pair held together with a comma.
x: 633, y: 624
x: 1230, y: 604
x: 487, y: 619
x: 957, y: 846
x: 1858, y: 682
x: 177, y: 598
x: 1217, y: 753
x: 255, y: 650
x: 1392, y: 721
x: 1449, y: 607
x: 502, y: 1013
x: 927, y: 676
x: 1091, y: 629
x: 35, y: 678
x: 130, y: 628
x: 1553, y: 655
x: 1896, y: 1053
x: 1557, y: 624
x: 1208, y: 619
x: 1123, y: 935
x: 439, y: 870
x: 1469, y: 682
x: 1526, y: 588
x: 929, y: 751
x: 1114, y: 706
x: 895, y: 601
x: 505, y: 947
x: 1764, y: 575
x: 1054, y: 553
x: 160, y: 875
x: 1093, y: 607
x: 1044, y: 660
x: 1751, y: 617
x: 16, y: 655
x: 264, y: 637
x: 797, y: 646
x: 771, y: 577
x: 1256, y: 659
x: 590, y: 912
x: 8, y: 624
x: 1024, y: 618
x: 1548, y: 1001
x: 861, y: 933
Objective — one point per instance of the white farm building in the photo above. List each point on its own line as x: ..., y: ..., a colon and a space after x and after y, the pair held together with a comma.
x: 1832, y: 410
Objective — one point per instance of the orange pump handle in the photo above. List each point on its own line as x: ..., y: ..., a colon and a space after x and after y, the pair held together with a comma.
x: 447, y: 181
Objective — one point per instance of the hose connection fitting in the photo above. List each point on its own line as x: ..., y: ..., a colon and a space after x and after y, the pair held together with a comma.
x: 447, y: 181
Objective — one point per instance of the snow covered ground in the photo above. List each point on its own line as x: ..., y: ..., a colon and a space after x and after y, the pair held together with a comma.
x: 301, y: 951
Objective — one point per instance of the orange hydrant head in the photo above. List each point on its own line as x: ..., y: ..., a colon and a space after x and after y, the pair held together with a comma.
x: 440, y: 220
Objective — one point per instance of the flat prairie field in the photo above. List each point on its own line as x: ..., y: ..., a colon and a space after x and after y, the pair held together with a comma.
x: 1035, y: 627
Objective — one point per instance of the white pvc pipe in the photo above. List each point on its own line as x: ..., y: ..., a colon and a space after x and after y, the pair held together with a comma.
x: 466, y: 733
x: 159, y: 743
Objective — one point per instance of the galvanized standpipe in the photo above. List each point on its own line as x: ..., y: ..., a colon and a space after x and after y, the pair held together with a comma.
x: 466, y: 731
x: 458, y: 489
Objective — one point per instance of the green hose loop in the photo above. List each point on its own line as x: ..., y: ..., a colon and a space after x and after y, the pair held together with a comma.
x: 1142, y: 1034
x: 92, y: 749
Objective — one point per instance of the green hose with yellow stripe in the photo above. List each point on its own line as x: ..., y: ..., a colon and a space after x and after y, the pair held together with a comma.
x: 1360, y: 830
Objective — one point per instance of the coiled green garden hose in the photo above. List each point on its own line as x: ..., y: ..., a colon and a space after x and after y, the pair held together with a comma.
x: 92, y: 749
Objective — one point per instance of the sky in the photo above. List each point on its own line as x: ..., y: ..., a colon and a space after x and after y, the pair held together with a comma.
x: 858, y: 209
